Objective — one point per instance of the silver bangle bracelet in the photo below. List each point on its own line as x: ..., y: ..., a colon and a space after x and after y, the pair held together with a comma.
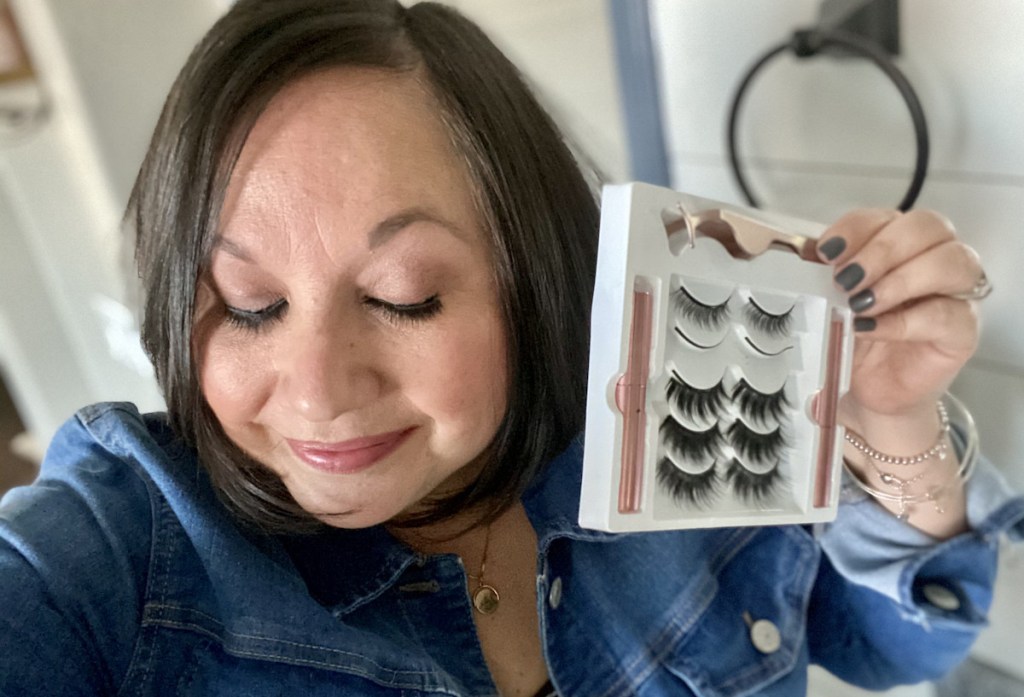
x: 934, y: 493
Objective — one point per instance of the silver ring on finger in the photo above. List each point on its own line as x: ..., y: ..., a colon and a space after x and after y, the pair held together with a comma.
x: 982, y: 288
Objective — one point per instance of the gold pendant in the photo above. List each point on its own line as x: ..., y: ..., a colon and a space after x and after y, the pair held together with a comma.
x: 486, y: 598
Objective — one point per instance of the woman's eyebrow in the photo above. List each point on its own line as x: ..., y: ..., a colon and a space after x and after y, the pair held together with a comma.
x: 388, y: 227
x: 381, y: 233
x: 221, y: 243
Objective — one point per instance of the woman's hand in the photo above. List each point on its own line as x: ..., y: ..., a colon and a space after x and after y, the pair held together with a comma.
x: 900, y: 271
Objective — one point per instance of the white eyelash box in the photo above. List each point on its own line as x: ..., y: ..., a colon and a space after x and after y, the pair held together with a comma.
x: 719, y: 350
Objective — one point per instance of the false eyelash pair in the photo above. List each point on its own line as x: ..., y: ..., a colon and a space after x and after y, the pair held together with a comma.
x: 701, y: 405
x: 750, y: 343
x: 715, y: 317
x: 699, y: 446
x: 703, y: 488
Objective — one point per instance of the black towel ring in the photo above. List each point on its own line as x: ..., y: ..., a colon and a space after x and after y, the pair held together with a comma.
x: 806, y: 43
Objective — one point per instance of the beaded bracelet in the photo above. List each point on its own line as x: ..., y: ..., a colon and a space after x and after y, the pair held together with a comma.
x: 936, y: 492
x: 858, y: 442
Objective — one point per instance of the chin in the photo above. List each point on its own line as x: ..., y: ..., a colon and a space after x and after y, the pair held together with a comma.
x: 348, y: 513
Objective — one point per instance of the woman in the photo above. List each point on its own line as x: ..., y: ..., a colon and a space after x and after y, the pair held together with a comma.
x: 368, y: 258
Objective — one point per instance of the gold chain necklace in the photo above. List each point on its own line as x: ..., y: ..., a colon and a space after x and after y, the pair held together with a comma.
x: 485, y: 596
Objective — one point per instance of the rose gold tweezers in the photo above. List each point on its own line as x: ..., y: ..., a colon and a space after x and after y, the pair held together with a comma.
x: 743, y: 237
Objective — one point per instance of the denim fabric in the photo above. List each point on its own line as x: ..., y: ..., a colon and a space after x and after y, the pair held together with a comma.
x: 120, y: 573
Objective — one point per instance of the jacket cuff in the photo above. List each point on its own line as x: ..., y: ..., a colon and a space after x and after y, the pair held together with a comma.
x: 946, y: 582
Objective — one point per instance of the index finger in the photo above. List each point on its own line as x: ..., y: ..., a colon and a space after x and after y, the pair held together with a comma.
x: 844, y: 238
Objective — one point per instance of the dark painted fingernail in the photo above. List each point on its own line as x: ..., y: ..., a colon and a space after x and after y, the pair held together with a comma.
x: 850, y: 276
x: 864, y: 324
x: 862, y: 300
x: 833, y: 248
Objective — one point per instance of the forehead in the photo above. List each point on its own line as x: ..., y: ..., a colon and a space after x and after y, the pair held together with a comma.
x: 358, y: 141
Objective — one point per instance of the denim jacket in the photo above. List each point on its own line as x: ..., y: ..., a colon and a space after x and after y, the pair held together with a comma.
x: 121, y: 573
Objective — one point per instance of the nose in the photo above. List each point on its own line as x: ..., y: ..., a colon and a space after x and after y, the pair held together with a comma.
x: 325, y: 371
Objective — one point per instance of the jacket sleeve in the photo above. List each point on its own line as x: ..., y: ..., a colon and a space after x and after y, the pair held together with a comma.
x: 891, y: 604
x: 74, y: 550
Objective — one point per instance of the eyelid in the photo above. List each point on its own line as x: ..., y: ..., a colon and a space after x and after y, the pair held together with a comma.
x: 256, y: 320
x: 272, y: 307
x: 410, y: 306
x: 422, y: 310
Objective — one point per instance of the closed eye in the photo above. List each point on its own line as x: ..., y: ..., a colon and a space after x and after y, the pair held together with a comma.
x: 256, y: 320
x: 406, y: 312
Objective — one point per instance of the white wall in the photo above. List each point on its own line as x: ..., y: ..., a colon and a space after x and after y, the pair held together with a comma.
x: 106, y: 67
x: 565, y: 49
x: 825, y: 135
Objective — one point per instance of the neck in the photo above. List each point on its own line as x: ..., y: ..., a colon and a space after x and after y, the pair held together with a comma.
x: 462, y: 535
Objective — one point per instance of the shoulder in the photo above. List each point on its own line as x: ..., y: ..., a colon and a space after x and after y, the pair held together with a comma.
x: 98, y: 499
x: 113, y: 430
x: 95, y: 468
x: 75, y: 546
x: 95, y: 493
x: 120, y: 459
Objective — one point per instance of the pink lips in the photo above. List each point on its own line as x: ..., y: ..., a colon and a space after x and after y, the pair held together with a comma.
x: 350, y: 456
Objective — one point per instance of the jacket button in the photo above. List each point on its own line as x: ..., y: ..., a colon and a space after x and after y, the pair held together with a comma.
x: 765, y: 637
x: 941, y: 597
x: 555, y: 594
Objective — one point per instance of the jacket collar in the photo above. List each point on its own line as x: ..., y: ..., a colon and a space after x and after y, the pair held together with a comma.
x: 371, y: 560
x: 552, y: 500
x: 249, y: 571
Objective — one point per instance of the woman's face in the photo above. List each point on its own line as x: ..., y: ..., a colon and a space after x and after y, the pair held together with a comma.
x: 350, y: 337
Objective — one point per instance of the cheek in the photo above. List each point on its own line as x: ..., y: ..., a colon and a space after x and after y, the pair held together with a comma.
x: 233, y: 378
x: 471, y: 389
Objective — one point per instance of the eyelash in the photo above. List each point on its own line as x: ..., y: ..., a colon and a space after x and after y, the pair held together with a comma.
x: 693, y: 445
x: 706, y: 316
x: 415, y: 312
x: 260, y: 320
x: 704, y: 404
x: 753, y: 487
x: 758, y: 406
x: 256, y: 320
x: 767, y: 323
x: 694, y: 402
x: 696, y: 489
x: 754, y: 446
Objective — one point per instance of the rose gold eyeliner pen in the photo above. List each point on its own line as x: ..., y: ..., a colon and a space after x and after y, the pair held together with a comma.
x: 631, y: 399
x: 828, y: 404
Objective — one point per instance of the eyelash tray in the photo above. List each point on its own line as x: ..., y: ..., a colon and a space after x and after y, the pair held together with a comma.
x: 719, y: 350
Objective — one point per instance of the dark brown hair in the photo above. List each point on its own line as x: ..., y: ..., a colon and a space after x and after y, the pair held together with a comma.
x: 539, y: 211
